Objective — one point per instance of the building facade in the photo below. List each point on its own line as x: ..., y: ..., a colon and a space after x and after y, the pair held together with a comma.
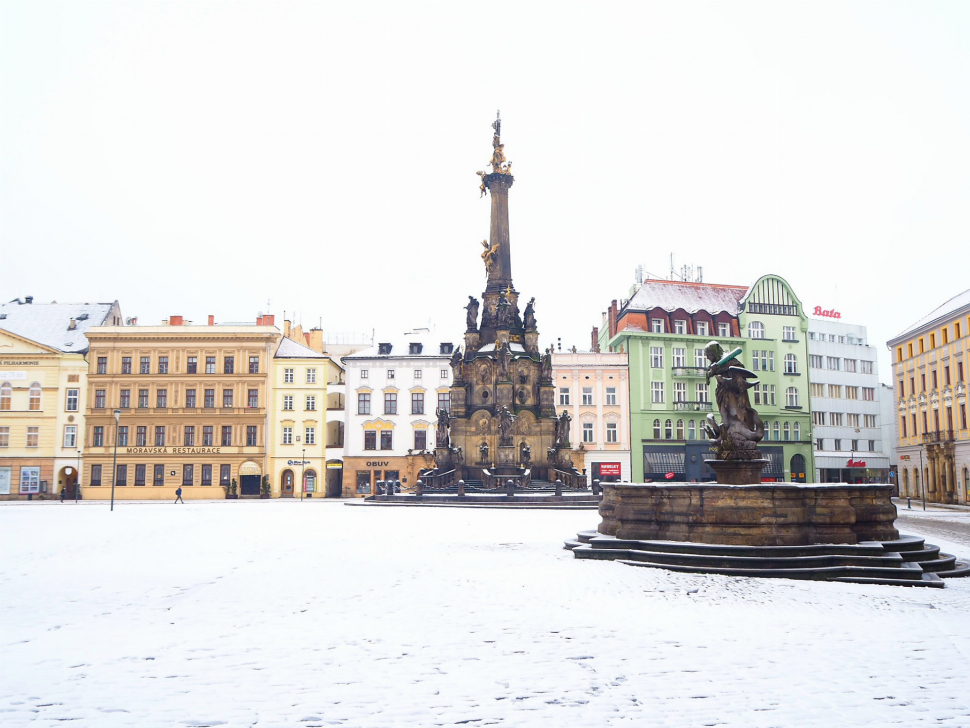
x: 930, y: 361
x: 43, y: 394
x: 664, y: 327
x: 395, y: 389
x: 186, y: 405
x: 297, y: 420
x: 594, y: 388
x: 845, y: 395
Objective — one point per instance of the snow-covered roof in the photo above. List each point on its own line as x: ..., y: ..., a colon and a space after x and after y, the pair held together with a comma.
x: 961, y: 300
x: 513, y: 347
x: 289, y: 349
x: 692, y: 297
x: 49, y: 323
x: 400, y: 346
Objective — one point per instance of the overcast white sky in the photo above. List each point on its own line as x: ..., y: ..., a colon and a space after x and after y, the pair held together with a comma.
x: 196, y: 158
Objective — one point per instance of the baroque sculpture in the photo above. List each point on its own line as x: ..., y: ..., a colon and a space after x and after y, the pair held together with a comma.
x: 456, y: 366
x: 547, y: 364
x: 530, y: 315
x: 471, y: 319
x: 505, y: 423
x: 525, y: 453
x: 740, y: 429
x: 489, y: 256
x: 504, y: 359
x: 562, y: 429
x: 483, y: 452
x: 442, y: 435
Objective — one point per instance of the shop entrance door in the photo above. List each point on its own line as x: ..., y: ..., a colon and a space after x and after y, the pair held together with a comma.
x: 286, y: 487
x: 248, y: 485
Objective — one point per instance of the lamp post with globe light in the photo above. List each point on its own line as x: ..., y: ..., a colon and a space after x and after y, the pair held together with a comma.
x: 114, y: 466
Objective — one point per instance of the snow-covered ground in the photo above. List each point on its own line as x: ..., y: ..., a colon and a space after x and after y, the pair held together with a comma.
x: 282, y: 613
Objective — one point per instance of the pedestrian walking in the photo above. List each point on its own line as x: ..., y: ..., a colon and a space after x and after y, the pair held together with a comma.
x: 178, y: 495
x: 63, y: 493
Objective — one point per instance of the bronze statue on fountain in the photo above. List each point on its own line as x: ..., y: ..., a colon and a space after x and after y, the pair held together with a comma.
x: 734, y: 440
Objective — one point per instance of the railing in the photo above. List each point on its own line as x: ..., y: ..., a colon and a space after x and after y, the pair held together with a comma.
x: 690, y: 371
x: 433, y: 480
x: 571, y: 479
x: 938, y: 436
x: 693, y: 407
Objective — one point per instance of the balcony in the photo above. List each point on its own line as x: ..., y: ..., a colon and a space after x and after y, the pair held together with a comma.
x: 938, y: 436
x: 690, y: 371
x: 693, y: 407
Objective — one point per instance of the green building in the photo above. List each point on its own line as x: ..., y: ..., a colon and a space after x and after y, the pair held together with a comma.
x: 664, y: 327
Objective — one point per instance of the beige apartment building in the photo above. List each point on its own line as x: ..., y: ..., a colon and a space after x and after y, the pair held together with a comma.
x: 594, y: 388
x: 42, y: 394
x: 186, y: 404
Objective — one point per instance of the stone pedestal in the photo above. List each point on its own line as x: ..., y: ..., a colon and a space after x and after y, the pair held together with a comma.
x: 532, y: 341
x: 507, y: 456
x: 737, y: 472
x: 472, y: 339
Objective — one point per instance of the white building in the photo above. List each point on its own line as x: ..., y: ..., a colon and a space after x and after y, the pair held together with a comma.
x: 845, y: 393
x: 594, y: 388
x: 887, y: 420
x: 393, y: 391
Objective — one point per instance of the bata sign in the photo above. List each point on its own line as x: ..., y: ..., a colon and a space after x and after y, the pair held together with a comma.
x: 855, y: 463
x: 831, y: 313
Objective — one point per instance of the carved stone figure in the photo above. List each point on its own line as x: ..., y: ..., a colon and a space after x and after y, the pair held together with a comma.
x: 504, y: 312
x: 442, y: 436
x: 471, y: 319
x: 484, y: 374
x: 456, y: 366
x: 530, y: 315
x: 489, y: 257
x: 498, y: 157
x: 740, y: 429
x: 562, y: 429
x: 483, y: 452
x: 547, y: 364
x: 505, y: 424
x: 525, y: 453
x: 504, y: 359
x: 483, y: 187
x: 457, y: 456
x: 551, y: 454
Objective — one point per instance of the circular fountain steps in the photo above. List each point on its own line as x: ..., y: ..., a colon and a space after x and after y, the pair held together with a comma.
x: 907, y: 561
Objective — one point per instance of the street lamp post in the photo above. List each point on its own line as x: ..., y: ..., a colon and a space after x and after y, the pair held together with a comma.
x: 303, y: 473
x: 922, y: 477
x: 114, y: 466
x: 77, y: 480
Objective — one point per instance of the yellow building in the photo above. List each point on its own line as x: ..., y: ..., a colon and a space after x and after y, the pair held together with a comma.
x: 191, y: 405
x: 42, y: 394
x: 930, y: 361
x: 298, y: 437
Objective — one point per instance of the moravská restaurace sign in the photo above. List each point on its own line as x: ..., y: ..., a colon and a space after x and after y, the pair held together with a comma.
x: 173, y: 450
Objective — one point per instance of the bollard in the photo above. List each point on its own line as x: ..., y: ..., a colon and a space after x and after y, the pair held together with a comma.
x: 596, y: 486
x: 461, y: 488
x: 379, y: 487
x: 558, y: 487
x: 397, y: 486
x: 510, y: 487
x: 909, y: 503
x: 419, y: 488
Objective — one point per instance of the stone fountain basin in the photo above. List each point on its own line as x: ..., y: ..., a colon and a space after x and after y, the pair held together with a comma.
x: 762, y: 514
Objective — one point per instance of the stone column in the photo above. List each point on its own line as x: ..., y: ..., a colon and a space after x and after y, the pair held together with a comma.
x: 498, y: 187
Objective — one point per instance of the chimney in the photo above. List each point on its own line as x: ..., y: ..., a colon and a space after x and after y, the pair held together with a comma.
x: 612, y: 320
x: 316, y: 340
x: 269, y: 319
x: 286, y: 328
x: 596, y: 339
x: 174, y: 320
x: 134, y: 321
x: 28, y: 299
x: 212, y: 320
x: 72, y: 325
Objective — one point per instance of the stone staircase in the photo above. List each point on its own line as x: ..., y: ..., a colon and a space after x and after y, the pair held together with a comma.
x: 907, y: 561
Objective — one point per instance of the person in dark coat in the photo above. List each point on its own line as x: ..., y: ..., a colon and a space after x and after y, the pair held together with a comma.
x: 178, y: 494
x: 63, y: 494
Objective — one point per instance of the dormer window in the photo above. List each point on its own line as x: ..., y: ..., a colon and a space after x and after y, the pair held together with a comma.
x: 383, y: 349
x: 414, y: 348
x: 680, y: 326
x: 657, y: 326
x: 447, y: 347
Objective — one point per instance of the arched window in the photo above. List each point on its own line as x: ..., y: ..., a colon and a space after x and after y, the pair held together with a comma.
x: 6, y: 393
x: 756, y: 330
x: 787, y: 431
x: 34, y: 403
x: 668, y: 430
x: 310, y: 481
x: 656, y: 429
x: 777, y: 430
x: 791, y: 397
x: 691, y: 430
x: 791, y: 364
x: 680, y: 429
x: 797, y: 432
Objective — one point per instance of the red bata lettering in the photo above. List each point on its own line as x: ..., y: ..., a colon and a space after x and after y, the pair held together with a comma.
x: 830, y: 313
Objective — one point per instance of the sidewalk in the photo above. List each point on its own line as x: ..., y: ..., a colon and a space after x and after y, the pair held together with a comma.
x: 918, y: 503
